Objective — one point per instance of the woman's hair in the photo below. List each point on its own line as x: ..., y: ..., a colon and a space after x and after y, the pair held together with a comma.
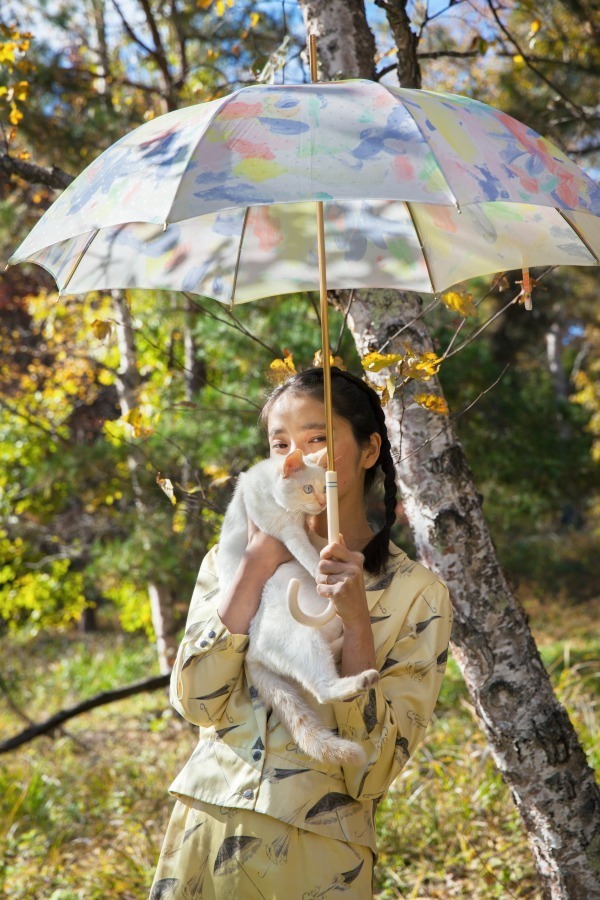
x: 357, y: 403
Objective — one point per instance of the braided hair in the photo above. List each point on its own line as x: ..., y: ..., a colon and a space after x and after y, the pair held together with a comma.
x: 357, y: 403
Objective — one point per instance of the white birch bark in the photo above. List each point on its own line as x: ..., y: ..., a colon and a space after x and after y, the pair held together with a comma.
x: 531, y: 737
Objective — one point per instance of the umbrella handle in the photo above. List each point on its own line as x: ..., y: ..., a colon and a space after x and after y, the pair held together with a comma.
x: 299, y: 615
x: 333, y: 512
x: 333, y: 535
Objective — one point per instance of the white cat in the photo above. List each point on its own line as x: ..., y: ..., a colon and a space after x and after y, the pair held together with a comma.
x: 277, y: 495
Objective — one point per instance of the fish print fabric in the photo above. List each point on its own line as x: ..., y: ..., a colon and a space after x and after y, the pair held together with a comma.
x: 218, y: 199
x: 245, y: 760
x: 217, y: 853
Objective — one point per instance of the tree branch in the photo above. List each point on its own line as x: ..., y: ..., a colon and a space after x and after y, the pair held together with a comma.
x: 49, y: 725
x: 529, y: 64
x: 34, y: 174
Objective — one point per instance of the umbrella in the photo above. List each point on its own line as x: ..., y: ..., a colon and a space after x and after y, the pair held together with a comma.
x: 413, y: 189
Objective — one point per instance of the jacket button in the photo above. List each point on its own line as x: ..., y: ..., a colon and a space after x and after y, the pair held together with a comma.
x: 248, y: 794
x: 204, y: 643
x: 256, y: 755
x: 212, y: 634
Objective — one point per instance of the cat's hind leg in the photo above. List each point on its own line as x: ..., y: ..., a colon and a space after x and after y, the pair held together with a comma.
x: 309, y: 733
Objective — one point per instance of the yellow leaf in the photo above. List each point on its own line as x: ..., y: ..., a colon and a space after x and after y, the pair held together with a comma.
x: 203, y: 4
x: 3, y: 90
x: 167, y: 486
x: 15, y: 115
x: 421, y: 367
x: 518, y: 59
x: 21, y: 90
x: 333, y: 360
x: 280, y: 369
x: 433, y: 403
x: 7, y: 51
x: 101, y: 328
x: 375, y: 362
x: 220, y: 7
x: 459, y: 302
x: 535, y: 26
x: 254, y: 19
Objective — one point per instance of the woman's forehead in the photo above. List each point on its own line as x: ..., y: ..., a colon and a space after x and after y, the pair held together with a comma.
x: 290, y: 406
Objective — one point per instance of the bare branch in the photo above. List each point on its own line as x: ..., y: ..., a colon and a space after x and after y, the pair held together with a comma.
x: 137, y: 40
x: 530, y: 65
x: 105, y: 697
x: 34, y: 174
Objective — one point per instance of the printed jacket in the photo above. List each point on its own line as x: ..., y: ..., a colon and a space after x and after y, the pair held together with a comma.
x: 245, y: 758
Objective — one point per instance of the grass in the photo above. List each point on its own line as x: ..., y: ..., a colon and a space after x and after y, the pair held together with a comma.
x: 82, y: 814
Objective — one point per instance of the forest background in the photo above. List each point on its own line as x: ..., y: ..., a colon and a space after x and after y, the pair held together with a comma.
x: 124, y: 419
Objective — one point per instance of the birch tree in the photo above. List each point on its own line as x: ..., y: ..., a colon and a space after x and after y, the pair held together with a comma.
x: 531, y: 737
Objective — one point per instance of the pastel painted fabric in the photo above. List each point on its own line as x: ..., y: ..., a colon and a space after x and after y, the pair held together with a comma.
x: 245, y: 760
x: 421, y: 191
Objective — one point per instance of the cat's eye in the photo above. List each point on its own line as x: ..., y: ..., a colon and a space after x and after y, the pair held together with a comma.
x: 308, y: 488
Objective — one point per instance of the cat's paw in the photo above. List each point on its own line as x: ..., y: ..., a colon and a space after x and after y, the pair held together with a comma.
x: 370, y: 678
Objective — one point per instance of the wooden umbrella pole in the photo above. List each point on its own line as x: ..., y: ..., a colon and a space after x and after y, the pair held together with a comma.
x: 333, y: 518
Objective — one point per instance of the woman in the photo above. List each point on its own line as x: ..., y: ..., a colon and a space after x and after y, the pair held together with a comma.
x: 255, y: 817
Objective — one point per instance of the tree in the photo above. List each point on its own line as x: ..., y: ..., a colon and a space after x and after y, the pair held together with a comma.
x: 533, y: 741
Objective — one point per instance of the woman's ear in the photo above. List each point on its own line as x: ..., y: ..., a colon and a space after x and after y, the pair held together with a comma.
x: 370, y: 454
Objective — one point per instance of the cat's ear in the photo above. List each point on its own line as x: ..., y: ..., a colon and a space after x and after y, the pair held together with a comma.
x: 320, y: 457
x: 293, y: 462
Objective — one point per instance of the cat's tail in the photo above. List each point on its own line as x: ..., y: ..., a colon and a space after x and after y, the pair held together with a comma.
x: 299, y: 615
x: 310, y: 734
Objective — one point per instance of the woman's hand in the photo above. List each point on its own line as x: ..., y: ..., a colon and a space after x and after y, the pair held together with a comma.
x: 264, y: 551
x: 263, y: 554
x: 340, y: 577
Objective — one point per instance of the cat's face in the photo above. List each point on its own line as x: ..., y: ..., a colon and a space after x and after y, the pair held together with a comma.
x: 300, y: 487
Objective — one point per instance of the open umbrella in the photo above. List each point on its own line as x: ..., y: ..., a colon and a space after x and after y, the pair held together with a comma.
x: 414, y: 190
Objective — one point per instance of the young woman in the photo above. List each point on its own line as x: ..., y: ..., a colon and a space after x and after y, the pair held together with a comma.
x: 255, y: 817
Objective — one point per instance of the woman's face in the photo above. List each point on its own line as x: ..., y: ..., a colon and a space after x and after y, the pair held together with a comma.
x: 298, y: 421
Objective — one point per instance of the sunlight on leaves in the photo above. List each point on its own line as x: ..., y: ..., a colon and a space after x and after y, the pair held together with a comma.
x: 375, y: 362
x: 280, y: 369
x: 166, y: 485
x: 460, y: 302
x: 433, y: 402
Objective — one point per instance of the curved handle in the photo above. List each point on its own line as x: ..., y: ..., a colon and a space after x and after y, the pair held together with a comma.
x: 302, y: 617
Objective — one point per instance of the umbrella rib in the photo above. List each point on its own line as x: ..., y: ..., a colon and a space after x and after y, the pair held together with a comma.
x: 422, y: 245
x: 574, y: 228
x: 239, y: 254
x: 429, y: 147
x: 76, y: 265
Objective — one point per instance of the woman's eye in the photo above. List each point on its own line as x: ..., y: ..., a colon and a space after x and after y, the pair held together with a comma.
x: 308, y: 488
x: 319, y: 439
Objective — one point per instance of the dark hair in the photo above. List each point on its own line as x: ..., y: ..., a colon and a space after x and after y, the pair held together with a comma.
x: 357, y: 403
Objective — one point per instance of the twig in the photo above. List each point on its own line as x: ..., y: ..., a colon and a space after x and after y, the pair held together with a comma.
x: 343, y: 325
x: 453, y: 419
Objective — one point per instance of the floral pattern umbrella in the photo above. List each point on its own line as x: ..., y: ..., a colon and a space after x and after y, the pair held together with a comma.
x: 420, y: 191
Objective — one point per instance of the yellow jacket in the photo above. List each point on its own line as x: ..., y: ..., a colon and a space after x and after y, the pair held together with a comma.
x: 245, y: 758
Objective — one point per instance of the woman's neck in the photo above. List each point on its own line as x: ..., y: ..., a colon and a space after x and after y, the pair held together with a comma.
x: 356, y: 530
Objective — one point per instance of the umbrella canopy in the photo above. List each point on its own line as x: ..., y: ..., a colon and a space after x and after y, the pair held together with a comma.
x: 420, y: 191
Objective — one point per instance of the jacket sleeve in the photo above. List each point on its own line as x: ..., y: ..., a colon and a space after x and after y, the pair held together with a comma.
x: 210, y: 659
x: 389, y: 720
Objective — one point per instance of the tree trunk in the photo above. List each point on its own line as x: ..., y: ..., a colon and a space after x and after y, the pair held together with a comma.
x: 531, y: 737
x: 128, y: 381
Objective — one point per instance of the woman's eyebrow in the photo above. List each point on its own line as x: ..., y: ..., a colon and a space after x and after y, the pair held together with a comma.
x: 310, y: 426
